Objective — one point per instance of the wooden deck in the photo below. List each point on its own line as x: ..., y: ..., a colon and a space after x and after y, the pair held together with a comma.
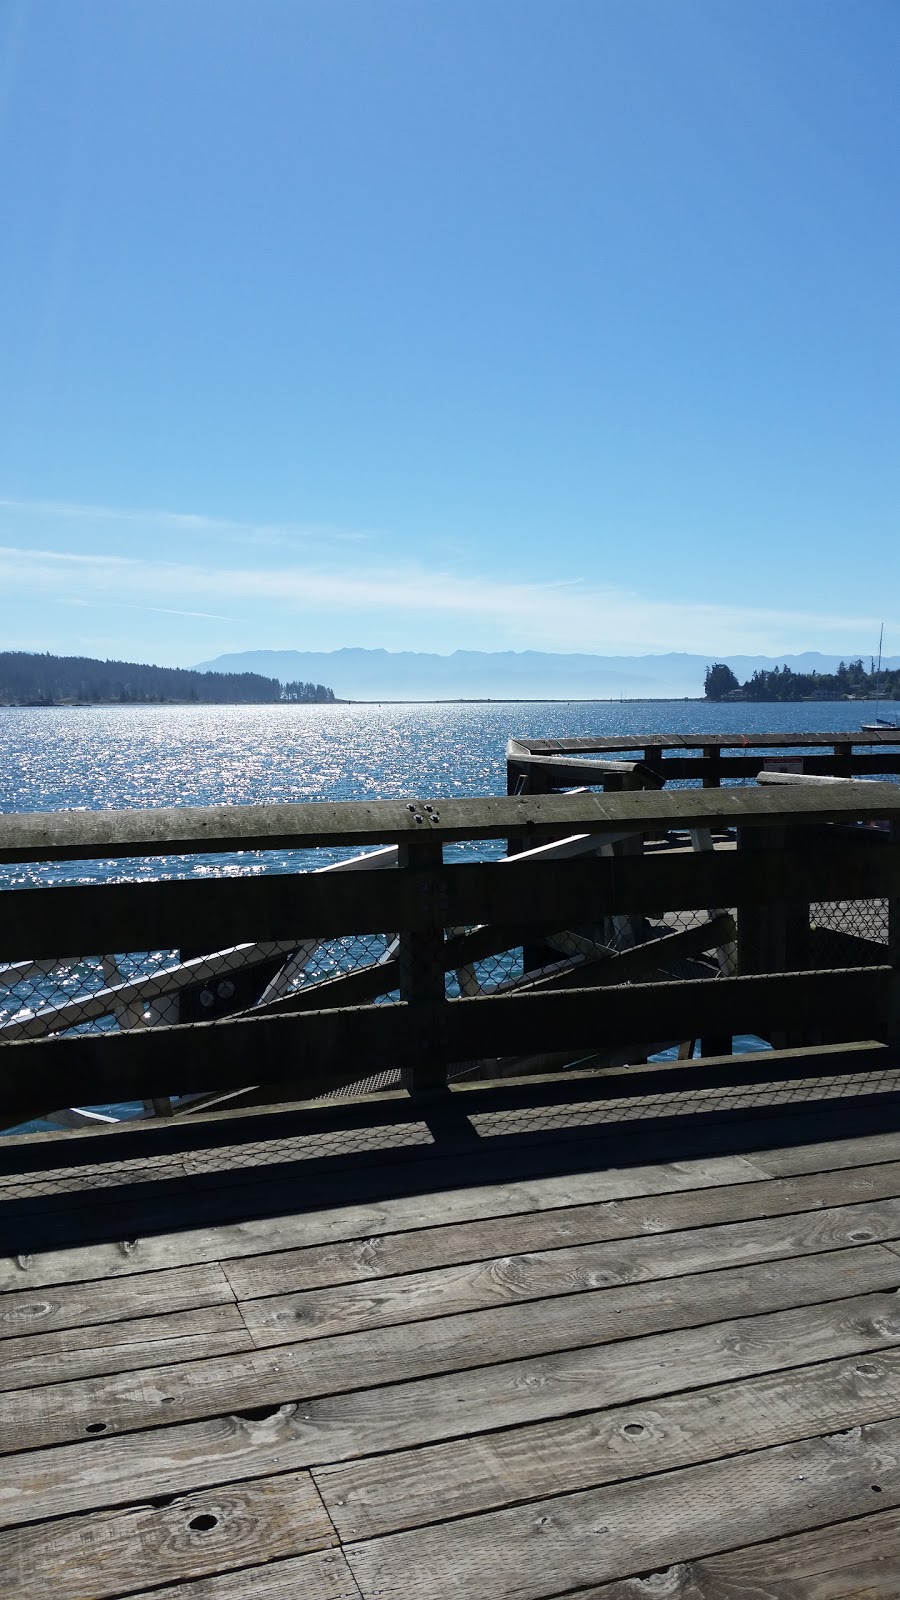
x: 633, y: 1337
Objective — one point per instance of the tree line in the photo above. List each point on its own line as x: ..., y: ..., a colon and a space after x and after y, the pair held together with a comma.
x: 308, y: 693
x: 48, y: 680
x: 850, y: 681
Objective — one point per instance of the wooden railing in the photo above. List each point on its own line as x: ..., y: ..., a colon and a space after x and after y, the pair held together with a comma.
x: 631, y: 761
x: 780, y: 850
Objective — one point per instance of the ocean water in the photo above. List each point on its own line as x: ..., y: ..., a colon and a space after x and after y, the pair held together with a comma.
x: 134, y: 756
x: 96, y: 757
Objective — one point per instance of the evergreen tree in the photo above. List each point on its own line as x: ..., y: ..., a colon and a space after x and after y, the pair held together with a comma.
x: 720, y: 681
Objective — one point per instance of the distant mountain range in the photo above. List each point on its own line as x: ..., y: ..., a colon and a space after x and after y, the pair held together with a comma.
x: 356, y: 674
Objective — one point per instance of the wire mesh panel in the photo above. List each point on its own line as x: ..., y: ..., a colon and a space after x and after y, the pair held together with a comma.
x: 40, y: 999
x: 581, y: 912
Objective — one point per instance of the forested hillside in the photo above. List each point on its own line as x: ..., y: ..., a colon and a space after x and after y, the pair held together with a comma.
x: 48, y: 680
x: 850, y: 681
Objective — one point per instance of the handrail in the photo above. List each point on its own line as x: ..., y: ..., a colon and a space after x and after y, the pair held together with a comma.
x: 200, y: 830
x: 774, y: 871
x: 698, y: 741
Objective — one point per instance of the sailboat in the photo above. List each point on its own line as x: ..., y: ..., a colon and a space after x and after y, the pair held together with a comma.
x: 880, y: 724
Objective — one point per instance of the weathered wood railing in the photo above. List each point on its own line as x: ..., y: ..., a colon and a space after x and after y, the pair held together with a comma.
x: 632, y: 761
x: 794, y: 847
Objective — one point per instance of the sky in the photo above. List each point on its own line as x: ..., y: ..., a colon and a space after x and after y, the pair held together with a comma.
x: 438, y: 324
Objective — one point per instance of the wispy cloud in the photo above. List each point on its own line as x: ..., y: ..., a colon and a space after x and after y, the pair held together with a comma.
x: 169, y: 611
x: 183, y: 523
x: 570, y: 615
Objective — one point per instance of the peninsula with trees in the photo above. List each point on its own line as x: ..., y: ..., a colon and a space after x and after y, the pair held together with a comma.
x: 46, y: 680
x: 850, y: 681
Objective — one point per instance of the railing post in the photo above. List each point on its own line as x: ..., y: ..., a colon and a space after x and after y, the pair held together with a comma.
x: 843, y: 760
x: 421, y: 960
x: 654, y: 760
x: 775, y: 937
x: 894, y: 952
x: 712, y: 774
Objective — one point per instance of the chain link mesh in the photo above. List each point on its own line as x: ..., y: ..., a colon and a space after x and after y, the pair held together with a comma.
x: 133, y: 990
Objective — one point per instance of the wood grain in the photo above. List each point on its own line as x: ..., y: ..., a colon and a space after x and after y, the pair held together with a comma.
x: 450, y: 1290
x: 180, y: 830
x: 383, y: 1494
x: 322, y: 1575
x: 77, y: 1305
x: 122, y: 1346
x: 231, y: 1241
x: 856, y: 1560
x: 384, y: 1255
x: 386, y: 1216
x: 552, y: 1546
x: 47, y: 1482
x: 108, y: 1553
x: 157, y: 1396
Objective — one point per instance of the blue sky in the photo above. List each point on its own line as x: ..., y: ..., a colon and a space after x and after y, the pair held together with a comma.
x: 553, y: 324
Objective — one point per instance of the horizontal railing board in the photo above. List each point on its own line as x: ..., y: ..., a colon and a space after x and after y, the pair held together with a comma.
x: 187, y: 830
x: 303, y: 1048
x: 697, y: 741
x: 214, y: 913
x: 211, y: 1129
x: 566, y: 772
x: 563, y: 772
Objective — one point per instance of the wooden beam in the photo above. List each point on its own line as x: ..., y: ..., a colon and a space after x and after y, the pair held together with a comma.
x: 561, y: 772
x: 800, y: 777
x: 313, y: 1050
x: 187, y: 830
x: 697, y: 741
x: 548, y: 894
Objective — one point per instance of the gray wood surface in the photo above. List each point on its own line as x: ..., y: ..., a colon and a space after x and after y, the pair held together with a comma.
x: 231, y: 1446
x: 606, y: 744
x: 334, y: 1224
x: 185, y: 830
x: 155, y: 1397
x: 405, y: 1489
x: 856, y: 1560
x: 76, y: 1305
x: 629, y: 1528
x: 114, y: 1552
x: 122, y: 1346
x: 566, y: 1270
x: 383, y: 1255
x: 668, y: 1382
x: 322, y: 1575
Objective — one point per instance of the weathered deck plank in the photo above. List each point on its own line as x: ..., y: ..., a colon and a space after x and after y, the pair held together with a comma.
x: 154, y: 1397
x: 114, y: 1552
x: 856, y: 1560
x: 322, y: 1575
x: 610, y: 1322
x: 549, y: 1375
x: 336, y: 1224
x: 516, y: 1278
x: 644, y: 1523
x: 380, y: 1255
x: 41, y: 1358
x: 375, y: 1495
x: 78, y: 1305
x: 233, y: 1447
